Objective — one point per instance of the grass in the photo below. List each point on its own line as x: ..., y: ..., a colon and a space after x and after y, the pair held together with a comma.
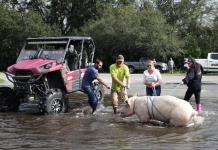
x: 211, y: 74
x: 175, y: 72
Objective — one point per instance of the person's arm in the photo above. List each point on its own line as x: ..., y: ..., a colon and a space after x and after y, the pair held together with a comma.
x: 159, y: 79
x: 197, y: 73
x: 185, y: 80
x: 145, y: 82
x: 127, y: 82
x: 148, y: 84
x: 157, y: 83
x: 117, y: 81
x: 103, y: 82
x: 127, y: 74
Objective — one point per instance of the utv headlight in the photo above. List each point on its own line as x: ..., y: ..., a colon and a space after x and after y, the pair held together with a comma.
x: 47, y: 66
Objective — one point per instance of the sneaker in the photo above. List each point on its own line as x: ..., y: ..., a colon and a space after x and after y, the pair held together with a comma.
x: 94, y: 112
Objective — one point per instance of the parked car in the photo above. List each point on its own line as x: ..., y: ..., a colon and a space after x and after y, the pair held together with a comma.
x: 141, y: 65
x: 210, y: 64
x: 47, y: 69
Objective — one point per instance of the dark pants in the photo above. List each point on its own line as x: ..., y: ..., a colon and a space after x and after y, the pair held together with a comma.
x: 93, y: 101
x: 190, y: 91
x: 153, y: 92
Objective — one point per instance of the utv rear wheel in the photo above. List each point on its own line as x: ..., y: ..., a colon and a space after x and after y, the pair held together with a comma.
x: 99, y: 92
x: 56, y: 102
x: 9, y: 99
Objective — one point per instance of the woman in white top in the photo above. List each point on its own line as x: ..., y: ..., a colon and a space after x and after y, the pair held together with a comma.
x: 152, y: 80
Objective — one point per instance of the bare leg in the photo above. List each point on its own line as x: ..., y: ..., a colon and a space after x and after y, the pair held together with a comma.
x: 114, y: 97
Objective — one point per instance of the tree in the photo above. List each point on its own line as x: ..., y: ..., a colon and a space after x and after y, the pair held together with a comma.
x: 68, y: 15
x: 213, y: 41
x: 132, y: 32
x: 14, y: 28
x: 188, y: 18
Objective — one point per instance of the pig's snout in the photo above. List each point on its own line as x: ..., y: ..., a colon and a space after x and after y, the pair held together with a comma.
x: 121, y: 113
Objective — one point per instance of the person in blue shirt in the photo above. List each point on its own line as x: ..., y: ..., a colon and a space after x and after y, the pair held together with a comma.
x: 90, y: 75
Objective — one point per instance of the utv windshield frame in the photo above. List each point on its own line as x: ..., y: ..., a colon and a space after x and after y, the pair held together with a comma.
x: 56, y: 48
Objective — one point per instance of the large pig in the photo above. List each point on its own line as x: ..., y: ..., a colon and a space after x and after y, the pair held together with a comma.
x: 168, y: 109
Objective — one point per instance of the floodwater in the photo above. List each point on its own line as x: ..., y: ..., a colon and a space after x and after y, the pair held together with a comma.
x: 78, y: 129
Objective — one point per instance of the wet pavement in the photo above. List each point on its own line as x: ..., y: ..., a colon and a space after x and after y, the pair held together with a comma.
x: 171, y: 85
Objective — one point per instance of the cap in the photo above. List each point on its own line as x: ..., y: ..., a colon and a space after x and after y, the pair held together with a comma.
x: 192, y: 60
x: 120, y: 58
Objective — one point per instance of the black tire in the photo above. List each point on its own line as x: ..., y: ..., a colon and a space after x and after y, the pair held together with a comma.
x: 131, y: 69
x: 9, y: 99
x: 99, y: 92
x: 56, y: 102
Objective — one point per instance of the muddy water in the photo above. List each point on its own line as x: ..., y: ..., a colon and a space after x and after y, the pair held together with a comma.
x: 78, y: 129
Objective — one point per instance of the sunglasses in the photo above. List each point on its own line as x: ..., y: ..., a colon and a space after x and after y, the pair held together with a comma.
x: 148, y: 65
x: 119, y: 62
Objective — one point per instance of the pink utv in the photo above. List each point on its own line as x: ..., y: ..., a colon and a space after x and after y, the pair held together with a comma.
x: 48, y: 69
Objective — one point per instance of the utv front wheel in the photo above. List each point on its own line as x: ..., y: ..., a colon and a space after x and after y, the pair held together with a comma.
x: 56, y: 102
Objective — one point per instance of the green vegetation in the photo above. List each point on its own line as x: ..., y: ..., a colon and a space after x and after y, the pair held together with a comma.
x: 154, y: 29
x: 176, y: 72
x: 127, y: 30
x: 15, y: 27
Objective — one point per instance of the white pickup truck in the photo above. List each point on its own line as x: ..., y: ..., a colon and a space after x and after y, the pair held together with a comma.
x: 210, y: 64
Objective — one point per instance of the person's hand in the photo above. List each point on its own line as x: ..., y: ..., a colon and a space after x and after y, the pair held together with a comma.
x: 181, y: 83
x: 184, y: 81
x: 123, y: 85
x: 153, y: 84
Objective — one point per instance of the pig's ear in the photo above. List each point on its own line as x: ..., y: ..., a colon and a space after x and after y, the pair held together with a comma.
x: 127, y: 103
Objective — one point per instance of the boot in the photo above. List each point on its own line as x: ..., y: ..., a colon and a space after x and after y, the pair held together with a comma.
x: 198, y: 107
